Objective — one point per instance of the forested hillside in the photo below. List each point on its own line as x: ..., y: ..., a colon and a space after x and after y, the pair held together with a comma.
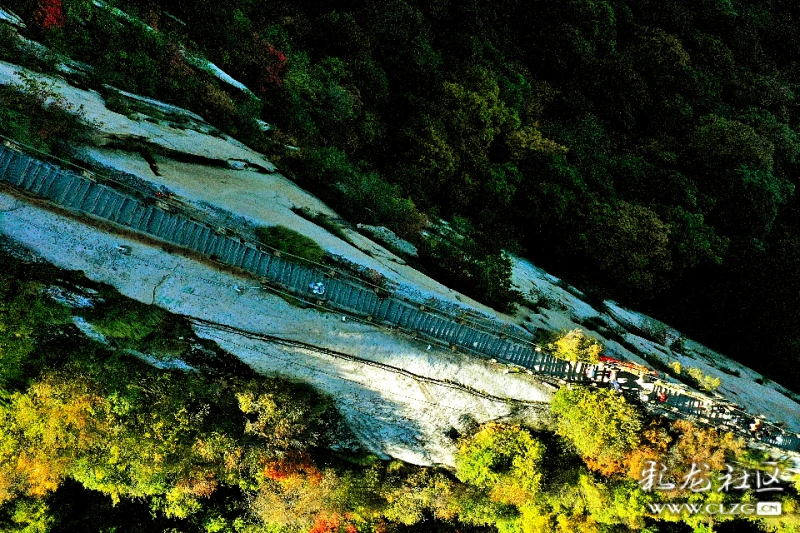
x: 94, y: 438
x: 644, y: 150
x: 648, y: 149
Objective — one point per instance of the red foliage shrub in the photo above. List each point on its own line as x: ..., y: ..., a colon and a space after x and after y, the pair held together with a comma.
x: 176, y: 66
x: 151, y: 15
x: 333, y: 524
x: 271, y: 65
x: 293, y: 467
x: 50, y: 14
x: 326, y: 525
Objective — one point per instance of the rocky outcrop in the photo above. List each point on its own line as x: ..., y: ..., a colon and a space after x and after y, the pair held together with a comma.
x: 400, y: 398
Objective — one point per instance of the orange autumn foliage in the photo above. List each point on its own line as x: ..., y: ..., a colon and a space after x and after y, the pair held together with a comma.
x: 701, y: 445
x: 604, y: 466
x: 326, y: 525
x: 331, y: 524
x: 294, y: 467
x: 654, y: 447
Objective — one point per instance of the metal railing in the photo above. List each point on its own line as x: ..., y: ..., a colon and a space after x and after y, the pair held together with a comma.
x: 89, y: 194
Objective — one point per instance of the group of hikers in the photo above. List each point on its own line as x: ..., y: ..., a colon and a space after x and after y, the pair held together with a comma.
x: 614, y: 366
x: 756, y: 428
x: 591, y: 373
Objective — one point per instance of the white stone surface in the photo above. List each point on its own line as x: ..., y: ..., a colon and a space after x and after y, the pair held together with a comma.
x: 393, y: 413
x: 10, y: 17
x: 113, y: 125
x: 214, y: 70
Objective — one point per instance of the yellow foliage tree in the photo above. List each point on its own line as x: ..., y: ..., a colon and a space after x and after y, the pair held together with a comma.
x: 42, y: 430
x: 528, y: 139
x: 506, y: 460
x: 601, y: 424
x: 576, y: 346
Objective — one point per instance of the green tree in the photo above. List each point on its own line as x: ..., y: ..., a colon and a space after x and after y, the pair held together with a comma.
x: 693, y: 242
x: 759, y: 194
x: 26, y: 515
x: 283, y: 417
x: 477, y: 112
x: 505, y: 460
x: 601, y: 425
x: 25, y: 314
x: 722, y: 143
x: 429, y: 162
x: 576, y: 346
x: 630, y: 244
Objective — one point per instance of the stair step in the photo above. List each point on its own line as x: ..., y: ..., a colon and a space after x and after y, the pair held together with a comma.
x: 127, y: 211
x: 17, y: 169
x: 102, y: 203
x: 204, y: 239
x: 6, y: 156
x: 70, y: 199
x: 114, y: 216
x: 249, y: 256
x: 263, y: 264
x: 334, y: 291
x: 113, y: 201
x: 48, y: 184
x: 159, y: 223
x: 42, y: 179
x: 94, y: 196
x: 311, y: 274
x: 190, y: 233
x: 147, y: 215
x: 199, y: 237
x: 170, y: 226
x: 29, y: 176
x: 229, y: 251
x: 275, y: 267
x: 177, y: 233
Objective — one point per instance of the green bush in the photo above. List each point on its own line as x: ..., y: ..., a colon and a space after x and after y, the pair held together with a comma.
x: 24, y: 315
x: 33, y: 113
x: 288, y: 240
x: 130, y: 324
x: 360, y: 195
x: 460, y: 262
x: 324, y: 221
x: 704, y: 381
x: 119, y: 104
x: 8, y: 42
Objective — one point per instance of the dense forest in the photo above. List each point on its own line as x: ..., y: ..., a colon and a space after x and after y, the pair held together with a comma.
x: 645, y: 151
x: 95, y: 438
